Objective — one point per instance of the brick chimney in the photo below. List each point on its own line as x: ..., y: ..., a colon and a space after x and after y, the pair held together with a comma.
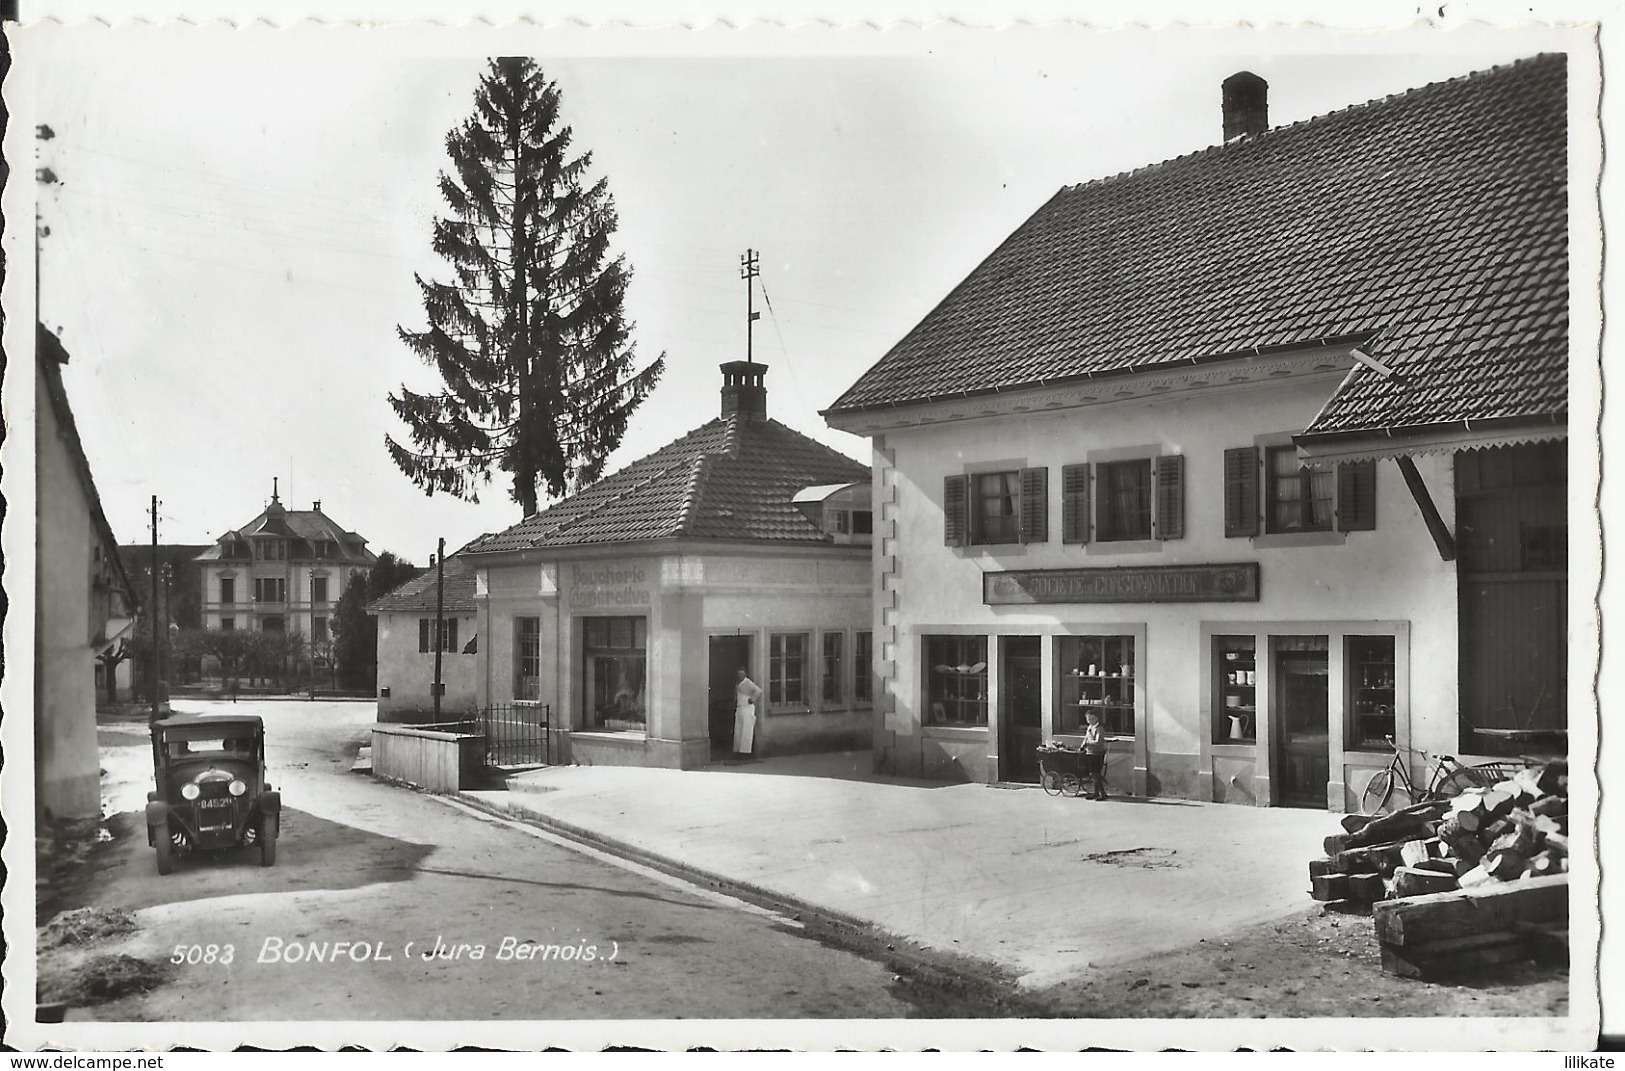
x: 1246, y: 105
x: 742, y: 390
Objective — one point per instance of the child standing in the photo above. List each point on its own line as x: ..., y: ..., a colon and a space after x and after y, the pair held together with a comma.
x: 1094, y: 755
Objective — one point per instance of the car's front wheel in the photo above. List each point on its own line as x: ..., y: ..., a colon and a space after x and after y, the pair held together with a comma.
x: 165, y: 846
x: 268, y: 832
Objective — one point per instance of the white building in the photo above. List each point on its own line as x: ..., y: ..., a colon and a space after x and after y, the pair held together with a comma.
x: 1259, y: 452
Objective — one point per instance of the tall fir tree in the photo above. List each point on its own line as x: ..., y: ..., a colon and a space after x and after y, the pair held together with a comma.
x: 529, y: 337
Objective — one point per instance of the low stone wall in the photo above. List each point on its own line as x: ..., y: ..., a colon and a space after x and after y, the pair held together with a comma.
x: 430, y: 759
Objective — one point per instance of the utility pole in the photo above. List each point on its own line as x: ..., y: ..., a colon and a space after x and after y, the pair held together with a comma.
x: 750, y: 267
x: 439, y: 622
x: 152, y: 617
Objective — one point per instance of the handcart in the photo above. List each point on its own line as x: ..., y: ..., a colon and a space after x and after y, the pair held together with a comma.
x: 1060, y: 769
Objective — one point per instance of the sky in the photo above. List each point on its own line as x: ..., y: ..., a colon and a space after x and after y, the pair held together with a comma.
x: 240, y: 215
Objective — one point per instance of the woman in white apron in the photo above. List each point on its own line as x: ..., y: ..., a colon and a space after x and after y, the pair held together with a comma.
x: 746, y: 693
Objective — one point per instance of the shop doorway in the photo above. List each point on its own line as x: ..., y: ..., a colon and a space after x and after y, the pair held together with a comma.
x: 1301, y: 716
x: 1021, y: 707
x: 727, y: 655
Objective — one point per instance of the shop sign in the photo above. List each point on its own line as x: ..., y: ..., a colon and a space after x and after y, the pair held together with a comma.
x: 609, y: 584
x: 1235, y: 582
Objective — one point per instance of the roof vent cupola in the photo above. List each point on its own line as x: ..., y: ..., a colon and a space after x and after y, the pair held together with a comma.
x: 742, y: 391
x: 1246, y: 105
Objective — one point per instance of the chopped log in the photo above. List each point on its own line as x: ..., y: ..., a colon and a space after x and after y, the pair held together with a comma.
x: 1476, y: 877
x: 1400, y: 825
x: 1540, y: 865
x: 1469, y: 821
x: 1414, y: 881
x: 1550, y: 805
x: 1329, y: 887
x: 1381, y: 858
x: 1504, y: 865
x: 1554, y: 778
x: 1499, y: 803
x: 1528, y: 779
x: 1494, y: 829
x: 1442, y: 959
x: 1353, y: 823
x: 1563, y: 864
x: 1520, y: 839
x: 1366, y: 888
x: 1558, y: 842
x: 1413, y: 852
x: 1496, y: 906
x: 1337, y: 842
x: 1463, y: 842
x: 1462, y: 866
x: 1440, y: 866
x: 1319, y: 867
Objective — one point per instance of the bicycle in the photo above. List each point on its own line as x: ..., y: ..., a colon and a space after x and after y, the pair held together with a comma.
x: 1392, y: 789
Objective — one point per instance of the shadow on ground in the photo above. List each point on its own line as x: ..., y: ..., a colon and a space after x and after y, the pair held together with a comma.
x: 312, y: 853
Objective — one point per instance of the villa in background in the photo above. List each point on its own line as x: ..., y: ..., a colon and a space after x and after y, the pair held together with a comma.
x: 1260, y: 454
x: 283, y: 571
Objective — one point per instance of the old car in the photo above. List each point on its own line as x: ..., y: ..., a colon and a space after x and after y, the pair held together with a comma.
x: 211, y: 794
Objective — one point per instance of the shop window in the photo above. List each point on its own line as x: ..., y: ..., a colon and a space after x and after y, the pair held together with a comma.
x: 787, y: 669
x: 994, y: 507
x: 863, y: 654
x: 228, y: 590
x: 1235, y: 690
x: 1097, y: 674
x: 427, y: 633
x: 615, y: 656
x: 1370, y: 677
x: 956, y: 680
x: 834, y: 679
x: 527, y: 684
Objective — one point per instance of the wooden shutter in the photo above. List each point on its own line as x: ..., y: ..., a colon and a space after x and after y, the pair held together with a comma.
x: 1074, y: 503
x: 1357, y: 496
x: 1034, y: 505
x: 956, y: 511
x: 423, y: 635
x: 1241, y: 491
x: 1171, y: 497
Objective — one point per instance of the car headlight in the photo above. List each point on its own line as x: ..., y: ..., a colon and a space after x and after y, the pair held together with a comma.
x: 190, y: 791
x: 237, y: 788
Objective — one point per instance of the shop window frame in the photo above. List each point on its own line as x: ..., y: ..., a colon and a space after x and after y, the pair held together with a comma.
x: 969, y: 689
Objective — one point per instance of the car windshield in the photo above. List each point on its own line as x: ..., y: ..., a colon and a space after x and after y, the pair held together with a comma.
x: 238, y: 744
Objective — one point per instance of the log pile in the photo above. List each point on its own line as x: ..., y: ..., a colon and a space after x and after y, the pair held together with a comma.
x: 1460, y: 883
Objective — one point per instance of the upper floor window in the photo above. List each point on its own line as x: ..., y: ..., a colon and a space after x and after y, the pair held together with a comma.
x: 994, y: 507
x: 270, y: 589
x: 1295, y: 498
x: 318, y: 589
x: 228, y: 589
x: 427, y: 632
x: 1125, y: 500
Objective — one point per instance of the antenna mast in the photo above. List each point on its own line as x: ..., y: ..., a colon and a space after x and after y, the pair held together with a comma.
x: 750, y: 267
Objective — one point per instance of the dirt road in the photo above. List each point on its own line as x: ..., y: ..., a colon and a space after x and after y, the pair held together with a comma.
x: 390, y: 904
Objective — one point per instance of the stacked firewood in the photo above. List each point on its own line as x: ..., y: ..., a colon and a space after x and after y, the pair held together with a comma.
x: 1479, y: 847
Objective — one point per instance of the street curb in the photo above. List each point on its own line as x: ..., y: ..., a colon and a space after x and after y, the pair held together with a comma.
x: 894, y: 949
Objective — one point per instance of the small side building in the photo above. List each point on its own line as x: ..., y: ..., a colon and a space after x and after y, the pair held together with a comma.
x: 628, y: 607
x: 407, y: 638
x: 83, y: 601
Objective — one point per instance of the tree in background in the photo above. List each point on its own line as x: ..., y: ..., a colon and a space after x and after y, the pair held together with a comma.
x: 355, y: 632
x: 529, y: 337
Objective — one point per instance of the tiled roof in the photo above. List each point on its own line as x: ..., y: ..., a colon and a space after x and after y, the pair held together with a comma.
x: 418, y: 595
x: 310, y: 526
x: 1432, y: 224
x: 730, y: 479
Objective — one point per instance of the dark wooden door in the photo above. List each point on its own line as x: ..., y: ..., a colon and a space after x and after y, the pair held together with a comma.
x: 1301, y: 715
x: 1021, y: 707
x: 1512, y: 560
x: 728, y: 655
